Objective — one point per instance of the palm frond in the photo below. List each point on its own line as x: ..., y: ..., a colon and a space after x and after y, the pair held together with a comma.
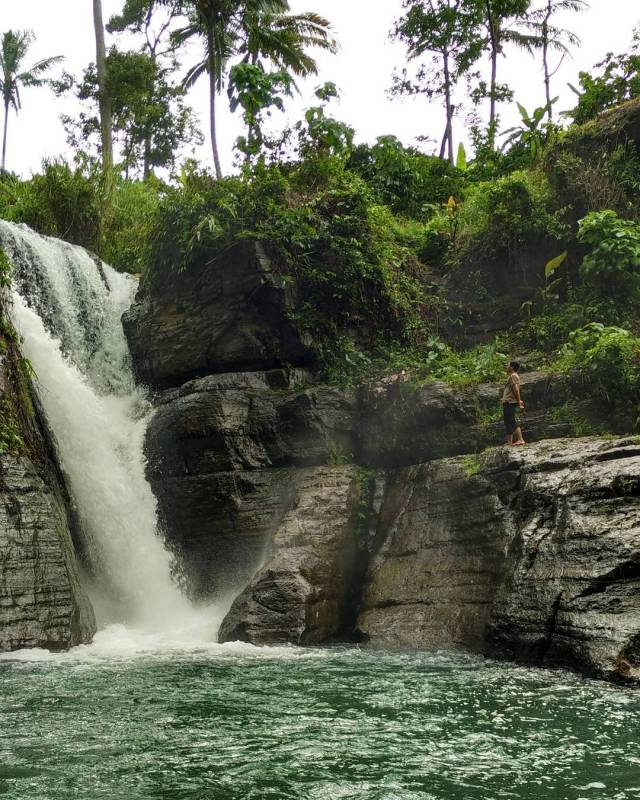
x: 182, y: 35
x: 524, y: 41
x: 283, y: 40
x: 194, y: 74
x: 45, y: 64
x: 14, y: 46
x: 557, y: 6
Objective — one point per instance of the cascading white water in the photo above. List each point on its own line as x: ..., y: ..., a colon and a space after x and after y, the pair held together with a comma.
x: 67, y: 308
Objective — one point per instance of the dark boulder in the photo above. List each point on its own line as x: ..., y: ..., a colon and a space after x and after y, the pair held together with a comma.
x: 227, y: 315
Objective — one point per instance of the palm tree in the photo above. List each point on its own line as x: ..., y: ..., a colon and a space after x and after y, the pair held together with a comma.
x: 13, y: 50
x: 282, y: 40
x: 254, y: 29
x: 553, y: 38
x: 502, y: 18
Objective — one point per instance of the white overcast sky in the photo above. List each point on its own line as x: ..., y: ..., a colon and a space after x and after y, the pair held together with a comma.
x: 362, y: 70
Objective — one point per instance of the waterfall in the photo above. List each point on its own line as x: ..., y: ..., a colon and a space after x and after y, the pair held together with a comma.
x: 67, y: 308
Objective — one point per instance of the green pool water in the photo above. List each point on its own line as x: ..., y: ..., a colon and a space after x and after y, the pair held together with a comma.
x: 232, y: 722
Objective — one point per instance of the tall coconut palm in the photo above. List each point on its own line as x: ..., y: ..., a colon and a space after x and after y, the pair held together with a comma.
x: 551, y: 38
x: 503, y: 19
x: 13, y: 50
x: 253, y: 30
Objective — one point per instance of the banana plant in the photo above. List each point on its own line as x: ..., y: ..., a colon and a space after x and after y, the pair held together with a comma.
x: 532, y: 134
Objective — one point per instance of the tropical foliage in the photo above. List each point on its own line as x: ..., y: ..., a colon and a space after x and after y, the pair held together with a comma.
x: 152, y: 125
x: 257, y: 32
x: 403, y: 257
x: 613, y: 81
x: 606, y: 359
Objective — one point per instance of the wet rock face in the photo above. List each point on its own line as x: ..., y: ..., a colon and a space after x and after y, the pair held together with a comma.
x: 533, y: 554
x: 228, y: 315
x: 226, y: 453
x: 244, y: 421
x: 529, y: 554
x: 229, y: 460
x: 42, y: 603
x: 442, y: 539
x: 302, y: 592
x: 571, y: 591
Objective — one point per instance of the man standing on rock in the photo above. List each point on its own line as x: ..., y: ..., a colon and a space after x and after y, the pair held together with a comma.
x: 511, y: 402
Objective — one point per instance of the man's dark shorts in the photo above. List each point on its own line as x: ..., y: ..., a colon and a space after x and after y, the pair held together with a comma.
x: 510, y: 422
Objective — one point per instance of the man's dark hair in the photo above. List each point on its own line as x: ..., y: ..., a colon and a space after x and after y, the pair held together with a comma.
x: 515, y: 365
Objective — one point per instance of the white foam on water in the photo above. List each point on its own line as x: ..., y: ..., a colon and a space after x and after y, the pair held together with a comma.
x: 194, y: 641
x: 68, y: 312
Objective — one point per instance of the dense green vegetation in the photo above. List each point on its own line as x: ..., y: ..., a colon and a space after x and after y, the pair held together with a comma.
x: 16, y: 409
x: 439, y: 265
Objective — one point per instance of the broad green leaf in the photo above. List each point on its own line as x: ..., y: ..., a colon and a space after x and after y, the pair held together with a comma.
x: 461, y: 158
x: 523, y: 112
x: 553, y: 265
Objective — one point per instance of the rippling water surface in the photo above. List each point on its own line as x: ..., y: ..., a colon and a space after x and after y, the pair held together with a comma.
x: 137, y: 718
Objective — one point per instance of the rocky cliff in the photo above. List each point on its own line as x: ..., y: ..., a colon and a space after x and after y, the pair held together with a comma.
x: 42, y: 603
x: 231, y: 315
x: 302, y: 592
x: 528, y: 553
x: 324, y: 510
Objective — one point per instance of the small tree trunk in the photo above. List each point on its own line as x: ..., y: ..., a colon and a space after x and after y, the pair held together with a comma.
x: 213, y: 91
x: 492, y: 98
x: 4, y: 135
x: 146, y: 165
x: 146, y: 147
x: 247, y: 155
x: 494, y: 41
x: 545, y: 59
x: 104, y: 98
x: 443, y: 143
x: 448, y: 106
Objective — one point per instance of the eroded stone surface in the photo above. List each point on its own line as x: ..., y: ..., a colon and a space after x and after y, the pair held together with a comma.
x: 41, y: 601
x: 228, y: 314
x: 571, y: 592
x: 302, y: 592
x: 531, y: 553
x: 511, y: 554
x: 442, y: 540
x: 225, y: 455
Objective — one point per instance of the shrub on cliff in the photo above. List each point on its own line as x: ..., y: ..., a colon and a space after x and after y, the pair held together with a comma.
x: 406, y: 180
x: 497, y: 219
x: 614, y: 246
x: 596, y: 165
x: 322, y: 228
x: 604, y: 360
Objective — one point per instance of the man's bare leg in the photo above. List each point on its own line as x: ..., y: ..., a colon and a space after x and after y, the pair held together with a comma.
x: 509, y: 440
x: 519, y: 438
